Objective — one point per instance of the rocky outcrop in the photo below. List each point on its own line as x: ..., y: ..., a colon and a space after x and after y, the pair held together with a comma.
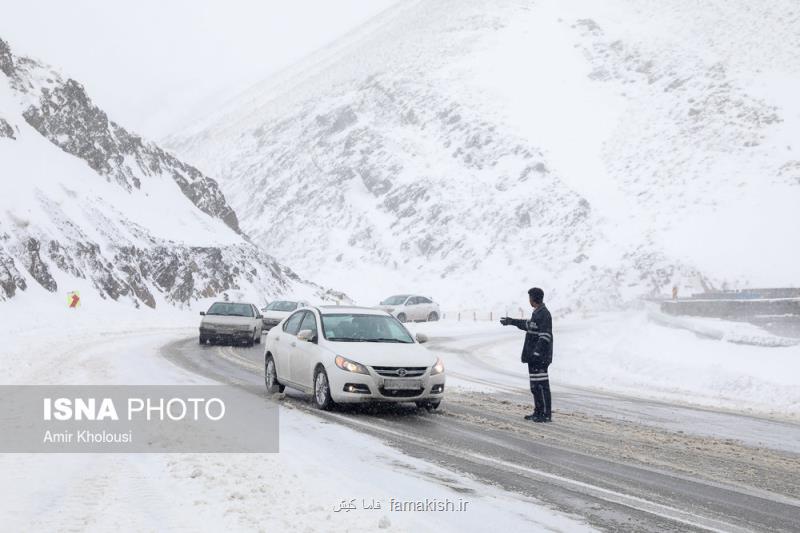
x: 67, y: 117
x: 66, y: 231
x: 6, y: 130
x: 63, y: 112
x: 36, y: 267
x: 10, y: 278
x: 139, y: 273
x: 6, y: 59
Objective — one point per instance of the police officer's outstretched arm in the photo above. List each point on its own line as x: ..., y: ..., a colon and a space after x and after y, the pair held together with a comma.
x: 508, y: 321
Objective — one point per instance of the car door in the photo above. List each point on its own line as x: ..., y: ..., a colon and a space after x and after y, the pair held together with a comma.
x: 257, y: 323
x: 407, y: 309
x: 425, y: 307
x: 413, y: 308
x: 284, y: 344
x: 305, y: 353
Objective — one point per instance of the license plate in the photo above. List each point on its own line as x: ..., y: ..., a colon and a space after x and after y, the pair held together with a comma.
x: 402, y: 384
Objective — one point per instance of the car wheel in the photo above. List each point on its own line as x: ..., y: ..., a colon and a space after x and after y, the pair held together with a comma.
x: 271, y: 377
x: 401, y: 317
x: 322, y: 391
x: 258, y: 337
x: 433, y: 317
x: 202, y: 340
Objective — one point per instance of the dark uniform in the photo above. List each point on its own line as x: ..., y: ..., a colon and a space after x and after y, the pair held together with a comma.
x: 537, y: 352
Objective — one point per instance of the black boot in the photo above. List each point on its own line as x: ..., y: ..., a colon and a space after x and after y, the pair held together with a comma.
x: 533, y: 416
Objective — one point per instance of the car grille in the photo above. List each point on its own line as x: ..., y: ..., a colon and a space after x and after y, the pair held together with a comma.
x: 400, y: 393
x: 222, y: 329
x: 400, y: 371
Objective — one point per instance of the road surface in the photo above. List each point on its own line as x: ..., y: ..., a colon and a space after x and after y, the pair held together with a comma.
x: 618, y: 462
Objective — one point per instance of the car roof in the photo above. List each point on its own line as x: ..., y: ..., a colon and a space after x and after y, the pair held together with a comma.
x: 241, y: 303
x: 349, y: 309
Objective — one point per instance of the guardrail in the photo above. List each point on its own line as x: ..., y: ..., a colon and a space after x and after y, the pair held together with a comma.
x: 477, y: 315
x: 733, y: 308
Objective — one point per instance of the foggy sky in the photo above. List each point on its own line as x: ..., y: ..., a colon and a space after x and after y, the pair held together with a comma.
x: 151, y: 64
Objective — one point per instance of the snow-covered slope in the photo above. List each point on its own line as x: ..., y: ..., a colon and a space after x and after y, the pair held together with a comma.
x: 85, y: 204
x: 603, y: 150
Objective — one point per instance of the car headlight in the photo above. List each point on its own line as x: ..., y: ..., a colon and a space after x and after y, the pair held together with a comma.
x: 438, y: 368
x: 350, y: 366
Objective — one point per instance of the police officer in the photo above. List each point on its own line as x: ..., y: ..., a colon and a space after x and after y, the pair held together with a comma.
x: 537, y: 352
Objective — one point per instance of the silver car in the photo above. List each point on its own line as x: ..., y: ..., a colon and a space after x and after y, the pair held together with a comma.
x: 276, y: 311
x: 231, y: 323
x: 411, y: 307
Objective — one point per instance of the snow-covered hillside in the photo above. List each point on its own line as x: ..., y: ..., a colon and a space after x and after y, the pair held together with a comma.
x: 85, y: 204
x: 603, y: 150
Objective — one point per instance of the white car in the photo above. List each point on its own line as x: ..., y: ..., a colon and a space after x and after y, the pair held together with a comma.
x: 410, y: 307
x: 351, y: 354
x: 231, y: 322
x: 276, y: 311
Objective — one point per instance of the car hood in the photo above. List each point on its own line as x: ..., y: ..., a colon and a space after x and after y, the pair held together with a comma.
x: 384, y: 353
x: 219, y: 320
x: 388, y: 307
x: 278, y: 315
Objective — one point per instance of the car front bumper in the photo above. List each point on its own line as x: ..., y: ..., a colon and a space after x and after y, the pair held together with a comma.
x: 270, y: 323
x: 351, y: 387
x: 222, y: 336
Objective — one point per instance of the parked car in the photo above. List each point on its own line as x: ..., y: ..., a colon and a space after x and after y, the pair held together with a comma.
x: 231, y: 322
x: 410, y: 307
x: 352, y: 354
x: 276, y: 311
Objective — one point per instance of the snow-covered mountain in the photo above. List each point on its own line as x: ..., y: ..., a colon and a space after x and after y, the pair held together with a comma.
x: 85, y: 204
x: 465, y: 149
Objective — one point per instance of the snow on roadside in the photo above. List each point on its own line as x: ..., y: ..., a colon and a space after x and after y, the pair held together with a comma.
x: 299, y: 488
x: 628, y: 353
x: 716, y: 328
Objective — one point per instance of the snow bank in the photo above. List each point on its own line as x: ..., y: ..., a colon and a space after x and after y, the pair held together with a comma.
x: 631, y: 354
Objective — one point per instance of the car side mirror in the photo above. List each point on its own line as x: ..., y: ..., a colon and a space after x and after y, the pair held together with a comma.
x: 306, y: 335
x: 422, y: 338
x: 202, y: 313
x: 259, y: 315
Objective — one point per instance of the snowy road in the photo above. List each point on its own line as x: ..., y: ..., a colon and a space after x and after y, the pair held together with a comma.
x: 618, y: 462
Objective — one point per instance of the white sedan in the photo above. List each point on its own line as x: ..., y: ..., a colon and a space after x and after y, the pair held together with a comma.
x: 349, y: 355
x: 276, y: 311
x: 410, y: 307
x: 231, y: 322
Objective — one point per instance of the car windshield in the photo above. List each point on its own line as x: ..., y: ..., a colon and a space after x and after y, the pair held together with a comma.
x: 348, y: 327
x: 282, y: 306
x: 227, y: 309
x: 395, y: 300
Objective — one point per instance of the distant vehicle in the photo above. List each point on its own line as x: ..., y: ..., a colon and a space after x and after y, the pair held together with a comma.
x: 410, y: 307
x: 231, y: 322
x: 352, y: 354
x: 276, y: 311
